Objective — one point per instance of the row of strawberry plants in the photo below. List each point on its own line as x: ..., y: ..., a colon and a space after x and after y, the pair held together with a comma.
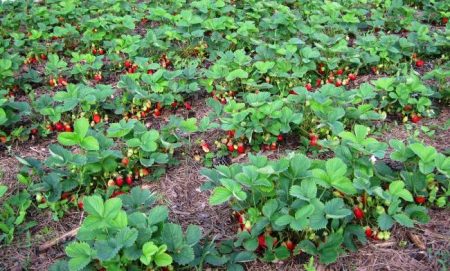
x: 323, y: 207
x: 262, y: 120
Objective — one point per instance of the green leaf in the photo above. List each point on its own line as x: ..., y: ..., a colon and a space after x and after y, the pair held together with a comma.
x: 81, y: 127
x: 172, y: 235
x: 158, y: 214
x: 239, y: 73
x: 193, y: 234
x: 68, y: 139
x: 90, y: 143
x: 404, y: 220
x: 3, y: 189
x: 126, y: 237
x: 306, y: 191
x: 148, y: 250
x: 94, y: 205
x: 163, y: 259
x: 220, y: 195
x: 385, y: 222
x: 80, y: 254
x: 335, y: 209
x: 112, y: 208
x: 184, y: 255
x: 270, y: 207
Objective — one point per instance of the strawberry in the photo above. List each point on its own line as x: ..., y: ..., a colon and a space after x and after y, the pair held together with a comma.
x: 230, y: 147
x: 374, y: 70
x: 415, y: 118
x: 94, y: 51
x: 318, y: 82
x: 352, y: 77
x: 230, y: 133
x: 308, y: 87
x: 34, y: 131
x: 174, y: 104
x: 420, y: 63
x: 248, y: 226
x: 273, y: 146
x: 96, y: 118
x: 241, y: 148
x: 3, y: 139
x: 52, y: 82
x: 290, y: 245
x: 187, y: 106
x: 330, y: 80
x: 157, y: 113
x: 368, y: 232
x: 419, y: 199
x: 129, y: 179
x: 407, y: 107
x: 62, y: 81
x: 143, y: 172
x: 340, y: 72
x: 292, y: 92
x: 313, y: 139
x: 205, y: 146
x: 338, y: 83
x: 128, y: 64
x: 98, y: 77
x: 65, y: 195
x: 262, y: 241
x: 110, y: 183
x: 43, y: 56
x: 359, y: 214
x: 59, y: 127
x: 68, y: 128
x: 125, y: 161
x: 444, y: 20
x: 280, y: 137
x: 119, y: 180
x: 101, y: 51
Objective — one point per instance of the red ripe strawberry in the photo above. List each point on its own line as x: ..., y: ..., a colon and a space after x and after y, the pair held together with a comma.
x: 128, y: 64
x: 65, y: 195
x: 359, y: 214
x: 98, y: 77
x: 419, y: 199
x: 230, y: 147
x: 80, y: 205
x: 94, y: 51
x: 101, y: 51
x: 150, y: 72
x: 68, y: 128
x: 34, y: 131
x: 231, y: 133
x: 280, y: 137
x: 313, y: 142
x: 338, y: 83
x: 119, y: 180
x: 125, y: 161
x: 129, y: 179
x: 290, y: 245
x: 157, y: 112
x: 352, y: 77
x: 420, y: 63
x: 318, y: 82
x: 407, y: 107
x: 59, y: 127
x: 444, y: 20
x: 262, y: 241
x: 340, y: 72
x: 368, y: 232
x: 43, y: 56
x: 96, y: 118
x: 415, y: 118
x: 174, y: 104
x: 223, y: 101
x: 187, y: 106
x: 241, y: 148
x: 143, y: 172
x: 308, y: 87
x: 273, y: 146
x: 292, y: 92
x: 62, y: 81
x: 330, y: 80
x: 50, y: 127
